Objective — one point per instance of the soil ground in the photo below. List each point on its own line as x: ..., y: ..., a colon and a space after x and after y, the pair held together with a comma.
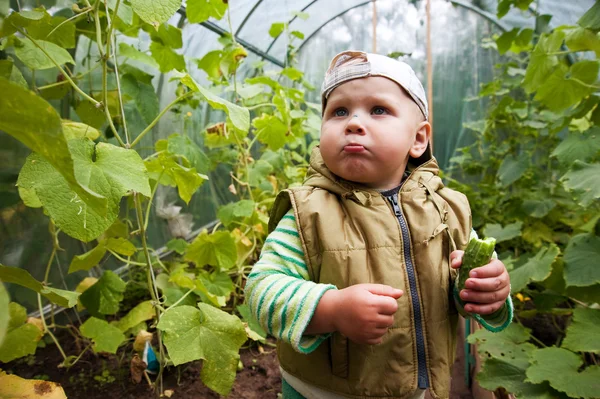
x: 97, y: 376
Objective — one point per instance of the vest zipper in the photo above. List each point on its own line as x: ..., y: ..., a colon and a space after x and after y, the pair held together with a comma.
x: 423, y: 378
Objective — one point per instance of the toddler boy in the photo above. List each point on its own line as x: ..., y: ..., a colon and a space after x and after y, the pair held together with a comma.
x: 356, y: 278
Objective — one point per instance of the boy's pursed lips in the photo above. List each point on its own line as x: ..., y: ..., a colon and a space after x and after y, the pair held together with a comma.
x: 354, y: 147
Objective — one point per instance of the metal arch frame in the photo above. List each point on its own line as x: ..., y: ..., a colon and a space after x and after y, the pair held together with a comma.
x: 459, y: 3
x: 254, y: 7
x: 222, y: 32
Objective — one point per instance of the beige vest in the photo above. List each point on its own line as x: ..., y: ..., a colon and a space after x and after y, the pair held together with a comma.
x: 350, y: 235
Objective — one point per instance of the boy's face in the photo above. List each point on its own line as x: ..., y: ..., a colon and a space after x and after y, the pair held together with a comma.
x: 370, y: 128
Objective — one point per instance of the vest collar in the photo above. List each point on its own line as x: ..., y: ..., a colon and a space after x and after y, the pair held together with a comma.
x: 320, y: 176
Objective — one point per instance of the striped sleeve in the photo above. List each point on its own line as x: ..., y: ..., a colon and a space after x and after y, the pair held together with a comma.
x: 494, y: 322
x: 279, y: 291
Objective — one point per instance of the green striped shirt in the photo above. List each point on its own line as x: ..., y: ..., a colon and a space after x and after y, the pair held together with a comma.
x: 283, y: 299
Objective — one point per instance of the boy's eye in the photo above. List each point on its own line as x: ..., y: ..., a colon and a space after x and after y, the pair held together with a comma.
x: 379, y: 111
x: 340, y: 112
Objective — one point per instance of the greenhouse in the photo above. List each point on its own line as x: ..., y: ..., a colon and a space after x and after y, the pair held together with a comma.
x: 174, y: 225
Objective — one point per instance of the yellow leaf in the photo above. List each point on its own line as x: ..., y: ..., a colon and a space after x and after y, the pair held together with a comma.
x: 140, y: 340
x: 14, y: 387
x: 36, y: 322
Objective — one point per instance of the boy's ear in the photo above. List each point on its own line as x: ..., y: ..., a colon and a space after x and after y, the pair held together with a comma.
x: 421, y: 139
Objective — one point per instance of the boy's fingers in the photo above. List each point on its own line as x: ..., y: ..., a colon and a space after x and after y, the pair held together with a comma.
x: 485, y: 297
x: 383, y: 290
x: 493, y: 269
x: 456, y: 258
x: 487, y: 284
x: 483, y: 309
x: 386, y: 305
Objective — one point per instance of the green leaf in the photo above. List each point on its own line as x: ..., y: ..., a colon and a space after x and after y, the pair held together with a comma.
x: 297, y: 34
x: 217, y: 249
x: 87, y: 260
x: 566, y: 87
x: 505, y: 233
x: 91, y: 115
x: 107, y: 169
x: 271, y: 131
x: 104, y: 296
x: 21, y: 341
x: 21, y: 19
x: 506, y: 357
x: 127, y: 50
x: 155, y: 12
x: 206, y: 333
x: 106, y: 337
x: 201, y: 10
x: 496, y: 373
x: 253, y: 324
x: 538, y: 208
x: 584, y: 179
x: 537, y: 268
x: 142, y: 312
x: 581, y: 39
x: 17, y: 315
x: 591, y: 18
x: 35, y: 123
x: 217, y: 283
x: 15, y: 275
x: 168, y: 35
x: 511, y: 169
x: 35, y: 58
x: 61, y: 203
x: 76, y: 130
x: 124, y: 11
x: 258, y: 171
x: 122, y: 246
x: 560, y: 368
x: 167, y: 58
x: 178, y: 245
x: 63, y: 34
x: 9, y: 71
x: 211, y: 64
x: 542, y: 64
x: 184, y: 146
x: 172, y: 293
x: 240, y: 117
x: 583, y: 334
x: 581, y: 260
x: 292, y: 73
x: 144, y: 96
x: 234, y: 210
x: 505, y: 40
x: 276, y: 29
x: 578, y: 147
x: 5, y: 315
x: 187, y: 180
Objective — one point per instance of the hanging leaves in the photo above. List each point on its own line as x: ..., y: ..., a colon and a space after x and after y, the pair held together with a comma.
x: 106, y: 337
x: 104, y: 296
x: 205, y: 333
x: 216, y: 249
x: 155, y: 12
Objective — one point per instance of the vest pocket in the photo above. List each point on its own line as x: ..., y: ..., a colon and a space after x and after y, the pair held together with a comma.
x: 339, y: 355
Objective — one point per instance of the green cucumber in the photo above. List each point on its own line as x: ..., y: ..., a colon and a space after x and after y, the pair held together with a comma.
x: 478, y: 253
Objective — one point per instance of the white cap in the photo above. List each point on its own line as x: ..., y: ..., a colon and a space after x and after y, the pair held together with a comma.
x: 351, y: 64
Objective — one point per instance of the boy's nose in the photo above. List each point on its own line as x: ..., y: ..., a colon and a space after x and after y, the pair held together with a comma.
x: 354, y: 125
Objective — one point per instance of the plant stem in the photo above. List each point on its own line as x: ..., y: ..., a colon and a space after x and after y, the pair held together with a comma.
x: 129, y: 262
x: 46, y: 330
x: 181, y: 299
x: 65, y: 74
x: 151, y: 281
x: 155, y: 121
x: 149, y: 207
x: 261, y: 105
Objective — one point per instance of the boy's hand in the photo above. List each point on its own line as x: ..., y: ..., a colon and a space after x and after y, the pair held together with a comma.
x: 364, y: 312
x: 487, y: 287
